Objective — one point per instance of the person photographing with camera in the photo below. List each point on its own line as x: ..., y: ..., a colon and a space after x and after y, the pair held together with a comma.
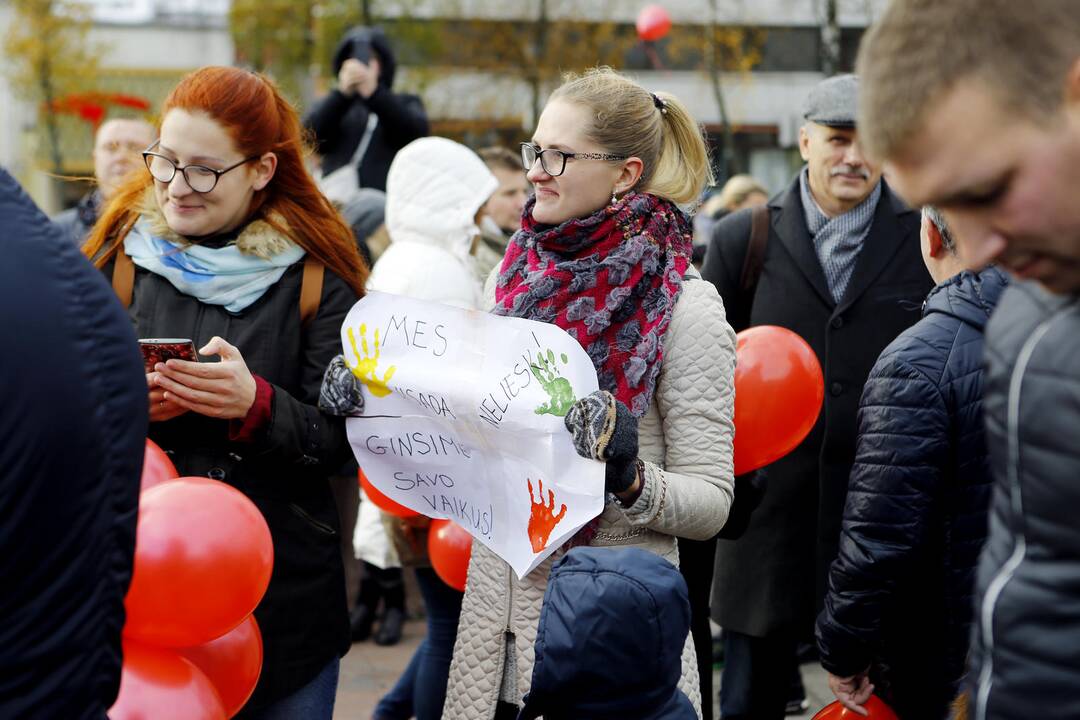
x: 361, y: 124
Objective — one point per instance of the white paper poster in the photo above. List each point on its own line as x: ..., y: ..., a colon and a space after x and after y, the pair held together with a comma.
x: 463, y: 419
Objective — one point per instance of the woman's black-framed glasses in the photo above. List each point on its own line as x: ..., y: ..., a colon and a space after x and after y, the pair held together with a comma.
x: 199, y: 178
x: 554, y: 161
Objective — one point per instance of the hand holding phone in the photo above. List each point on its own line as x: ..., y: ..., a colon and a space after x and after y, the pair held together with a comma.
x: 158, y: 350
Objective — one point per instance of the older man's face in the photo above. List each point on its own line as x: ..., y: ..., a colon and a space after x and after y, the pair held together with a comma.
x: 116, y: 151
x: 1010, y: 186
x: 840, y: 175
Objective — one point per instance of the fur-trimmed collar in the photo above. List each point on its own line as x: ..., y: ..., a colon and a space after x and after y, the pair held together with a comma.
x: 258, y: 238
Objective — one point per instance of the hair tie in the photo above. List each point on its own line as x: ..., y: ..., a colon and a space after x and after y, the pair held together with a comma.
x: 660, y: 104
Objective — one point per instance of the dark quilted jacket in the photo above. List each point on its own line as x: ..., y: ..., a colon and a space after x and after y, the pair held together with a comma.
x: 900, y: 591
x: 1026, y: 656
x: 73, y: 422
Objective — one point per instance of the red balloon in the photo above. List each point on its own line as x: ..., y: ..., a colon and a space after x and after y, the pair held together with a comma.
x: 653, y: 23
x: 203, y: 557
x: 450, y: 547
x: 232, y: 662
x: 383, y: 502
x: 877, y: 710
x: 778, y: 394
x: 157, y: 467
x: 158, y: 684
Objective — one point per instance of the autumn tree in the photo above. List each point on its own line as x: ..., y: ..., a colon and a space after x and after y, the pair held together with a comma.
x: 51, y: 56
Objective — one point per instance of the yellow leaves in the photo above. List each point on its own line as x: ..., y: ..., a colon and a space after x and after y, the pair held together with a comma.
x: 47, y: 40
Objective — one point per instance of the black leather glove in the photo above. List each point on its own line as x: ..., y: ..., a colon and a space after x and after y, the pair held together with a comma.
x: 604, y: 429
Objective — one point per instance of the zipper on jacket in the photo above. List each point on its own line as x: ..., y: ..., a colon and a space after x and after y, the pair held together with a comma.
x: 1005, y: 574
x: 307, y: 517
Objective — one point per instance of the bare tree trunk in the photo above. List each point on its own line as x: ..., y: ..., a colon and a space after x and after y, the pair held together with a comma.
x: 45, y: 80
x: 365, y: 11
x: 830, y: 40
x: 726, y: 162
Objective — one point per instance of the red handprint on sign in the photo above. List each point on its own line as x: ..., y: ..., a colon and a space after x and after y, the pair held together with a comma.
x: 542, y: 519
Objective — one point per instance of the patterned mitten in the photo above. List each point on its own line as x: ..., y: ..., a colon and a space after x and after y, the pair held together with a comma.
x: 604, y: 429
x: 340, y: 392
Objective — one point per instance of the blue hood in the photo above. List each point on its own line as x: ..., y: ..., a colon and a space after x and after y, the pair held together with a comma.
x: 969, y: 296
x: 610, y: 639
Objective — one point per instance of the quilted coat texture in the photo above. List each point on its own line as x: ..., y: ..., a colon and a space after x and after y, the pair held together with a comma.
x: 433, y: 193
x: 685, y: 440
x: 1025, y: 657
x: 900, y: 591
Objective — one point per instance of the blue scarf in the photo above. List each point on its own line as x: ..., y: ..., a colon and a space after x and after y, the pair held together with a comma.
x: 215, y: 276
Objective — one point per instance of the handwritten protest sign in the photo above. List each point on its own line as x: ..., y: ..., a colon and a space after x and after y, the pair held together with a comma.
x: 463, y: 419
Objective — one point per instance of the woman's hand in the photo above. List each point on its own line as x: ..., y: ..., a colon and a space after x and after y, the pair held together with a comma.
x: 603, y: 428
x: 160, y: 408
x: 223, y: 389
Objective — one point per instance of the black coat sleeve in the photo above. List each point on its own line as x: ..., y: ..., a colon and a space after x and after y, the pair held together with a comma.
x: 894, y: 485
x: 724, y: 261
x: 299, y: 432
x: 324, y: 119
x: 401, y: 117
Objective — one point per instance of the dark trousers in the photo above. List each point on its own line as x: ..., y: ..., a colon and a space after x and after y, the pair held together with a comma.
x: 757, y: 675
x: 378, y: 584
x: 421, y: 689
x: 697, y: 559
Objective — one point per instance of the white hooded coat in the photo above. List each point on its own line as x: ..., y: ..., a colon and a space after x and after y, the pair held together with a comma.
x: 433, y: 191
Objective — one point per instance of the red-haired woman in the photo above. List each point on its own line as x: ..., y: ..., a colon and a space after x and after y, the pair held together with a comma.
x: 227, y: 241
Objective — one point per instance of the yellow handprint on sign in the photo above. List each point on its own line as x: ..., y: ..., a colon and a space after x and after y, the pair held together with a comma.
x: 365, y: 366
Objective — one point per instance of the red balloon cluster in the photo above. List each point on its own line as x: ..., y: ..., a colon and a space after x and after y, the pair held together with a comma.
x: 779, y: 389
x: 450, y: 547
x: 203, y: 558
x: 875, y: 708
x: 653, y: 23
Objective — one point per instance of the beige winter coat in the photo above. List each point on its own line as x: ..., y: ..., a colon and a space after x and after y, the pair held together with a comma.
x: 686, y: 442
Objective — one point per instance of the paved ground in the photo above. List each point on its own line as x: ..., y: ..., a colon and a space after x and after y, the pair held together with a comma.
x: 368, y: 671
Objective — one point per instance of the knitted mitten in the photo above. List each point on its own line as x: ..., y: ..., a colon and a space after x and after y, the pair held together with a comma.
x: 340, y: 392
x: 604, y: 429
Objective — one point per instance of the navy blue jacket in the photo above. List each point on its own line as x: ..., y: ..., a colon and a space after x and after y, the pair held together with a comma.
x: 73, y: 418
x: 610, y: 639
x: 900, y: 591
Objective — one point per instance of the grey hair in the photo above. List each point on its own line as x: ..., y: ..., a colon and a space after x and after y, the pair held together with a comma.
x: 934, y: 215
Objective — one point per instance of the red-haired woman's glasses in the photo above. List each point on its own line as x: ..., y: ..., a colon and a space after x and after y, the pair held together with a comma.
x: 199, y: 178
x: 554, y: 161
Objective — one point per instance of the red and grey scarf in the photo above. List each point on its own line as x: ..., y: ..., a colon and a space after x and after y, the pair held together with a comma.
x: 611, y: 280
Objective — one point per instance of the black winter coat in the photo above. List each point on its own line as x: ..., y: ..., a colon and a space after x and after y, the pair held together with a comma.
x: 73, y: 422
x: 303, y: 616
x: 1026, y: 655
x: 901, y: 589
x: 772, y: 579
x: 339, y: 120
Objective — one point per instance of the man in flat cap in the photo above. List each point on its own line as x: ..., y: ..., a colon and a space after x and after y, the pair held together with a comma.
x: 836, y: 259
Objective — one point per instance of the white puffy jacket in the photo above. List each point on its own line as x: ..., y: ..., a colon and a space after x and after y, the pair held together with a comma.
x: 433, y: 191
x: 685, y: 440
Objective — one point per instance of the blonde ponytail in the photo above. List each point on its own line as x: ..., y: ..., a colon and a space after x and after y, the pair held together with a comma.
x: 627, y: 121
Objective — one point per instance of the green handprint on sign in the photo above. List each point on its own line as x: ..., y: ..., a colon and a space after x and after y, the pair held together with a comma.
x: 560, y: 394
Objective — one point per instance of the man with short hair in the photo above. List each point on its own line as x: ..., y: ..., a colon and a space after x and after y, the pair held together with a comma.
x: 500, y: 217
x: 838, y: 263
x: 899, y: 609
x: 983, y: 121
x: 117, y: 144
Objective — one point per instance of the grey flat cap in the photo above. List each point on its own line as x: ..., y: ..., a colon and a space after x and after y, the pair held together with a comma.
x: 833, y: 102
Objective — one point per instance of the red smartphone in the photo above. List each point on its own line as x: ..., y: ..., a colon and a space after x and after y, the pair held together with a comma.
x: 158, y: 350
